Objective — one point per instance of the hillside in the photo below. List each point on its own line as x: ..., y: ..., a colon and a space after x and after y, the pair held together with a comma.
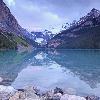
x: 83, y: 34
x: 12, y: 35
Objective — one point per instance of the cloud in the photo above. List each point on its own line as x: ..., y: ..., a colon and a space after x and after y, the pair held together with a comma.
x: 37, y: 14
x: 33, y: 16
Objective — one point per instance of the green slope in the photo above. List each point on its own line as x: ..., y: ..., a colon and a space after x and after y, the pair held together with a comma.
x: 11, y: 41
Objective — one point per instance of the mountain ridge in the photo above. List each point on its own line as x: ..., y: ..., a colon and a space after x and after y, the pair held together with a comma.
x: 10, y: 30
x: 42, y: 37
x: 83, y: 34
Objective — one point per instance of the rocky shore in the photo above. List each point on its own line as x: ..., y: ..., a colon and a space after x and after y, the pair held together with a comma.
x: 31, y: 93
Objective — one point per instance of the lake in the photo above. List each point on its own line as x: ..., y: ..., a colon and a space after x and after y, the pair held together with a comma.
x: 77, y: 71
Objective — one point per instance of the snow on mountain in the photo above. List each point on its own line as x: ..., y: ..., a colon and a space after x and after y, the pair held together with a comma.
x: 42, y: 37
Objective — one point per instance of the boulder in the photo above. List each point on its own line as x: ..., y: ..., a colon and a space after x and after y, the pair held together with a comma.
x: 51, y: 96
x: 4, y: 96
x: 92, y: 98
x: 18, y: 96
x: 57, y: 96
x: 58, y: 90
x: 25, y: 94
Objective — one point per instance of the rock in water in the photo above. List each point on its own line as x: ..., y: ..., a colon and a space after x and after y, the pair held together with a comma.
x: 25, y: 94
x: 92, y: 98
x: 31, y: 93
x: 18, y: 95
x: 58, y: 90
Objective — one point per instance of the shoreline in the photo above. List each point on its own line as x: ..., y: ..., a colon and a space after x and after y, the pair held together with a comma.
x: 32, y: 93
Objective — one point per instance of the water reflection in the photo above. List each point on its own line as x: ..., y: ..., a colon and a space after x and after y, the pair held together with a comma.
x: 77, y: 69
x: 11, y: 63
x: 85, y: 63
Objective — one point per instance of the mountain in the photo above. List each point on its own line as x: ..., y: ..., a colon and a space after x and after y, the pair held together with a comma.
x: 12, y: 35
x: 82, y: 34
x: 42, y: 37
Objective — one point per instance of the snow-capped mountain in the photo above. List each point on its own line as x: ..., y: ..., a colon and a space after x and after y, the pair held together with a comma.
x: 42, y: 37
x: 82, y: 34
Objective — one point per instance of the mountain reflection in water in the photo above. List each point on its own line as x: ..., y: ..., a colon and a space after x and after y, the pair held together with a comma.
x: 76, y: 69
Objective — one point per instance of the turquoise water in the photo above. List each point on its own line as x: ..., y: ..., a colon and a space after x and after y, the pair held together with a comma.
x: 77, y: 71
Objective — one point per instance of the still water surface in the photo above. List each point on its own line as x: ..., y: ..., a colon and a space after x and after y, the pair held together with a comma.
x: 75, y: 70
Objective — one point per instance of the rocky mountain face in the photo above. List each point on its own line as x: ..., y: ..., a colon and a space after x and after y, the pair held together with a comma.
x: 12, y: 35
x: 42, y: 37
x: 82, y: 34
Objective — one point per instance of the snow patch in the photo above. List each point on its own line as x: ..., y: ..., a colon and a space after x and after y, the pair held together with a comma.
x: 39, y: 56
x: 39, y: 40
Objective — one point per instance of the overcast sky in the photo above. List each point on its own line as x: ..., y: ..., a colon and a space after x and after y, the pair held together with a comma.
x: 44, y: 14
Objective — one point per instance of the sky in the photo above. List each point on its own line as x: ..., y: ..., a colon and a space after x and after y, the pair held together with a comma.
x: 35, y: 15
